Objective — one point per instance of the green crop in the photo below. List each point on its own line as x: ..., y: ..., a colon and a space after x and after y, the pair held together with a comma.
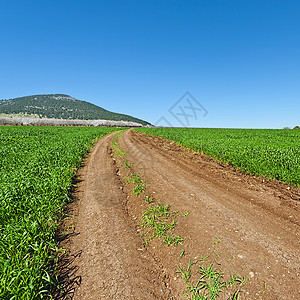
x: 271, y: 152
x: 37, y: 165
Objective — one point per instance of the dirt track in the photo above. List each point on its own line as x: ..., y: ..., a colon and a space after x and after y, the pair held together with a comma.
x: 256, y: 225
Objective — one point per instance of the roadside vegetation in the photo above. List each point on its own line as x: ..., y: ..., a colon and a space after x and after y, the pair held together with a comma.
x: 264, y: 152
x: 37, y: 167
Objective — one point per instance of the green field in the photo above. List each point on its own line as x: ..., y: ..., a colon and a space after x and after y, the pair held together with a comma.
x: 38, y: 165
x: 270, y: 152
x: 36, y: 170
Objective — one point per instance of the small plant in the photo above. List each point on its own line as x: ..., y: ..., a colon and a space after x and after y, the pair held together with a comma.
x: 140, y: 185
x: 135, y: 178
x: 139, y: 188
x: 176, y: 240
x: 186, y: 275
x: 148, y: 199
x: 215, y: 242
x: 159, y: 221
x: 182, y: 253
x: 211, y: 282
x: 120, y: 153
x: 127, y: 164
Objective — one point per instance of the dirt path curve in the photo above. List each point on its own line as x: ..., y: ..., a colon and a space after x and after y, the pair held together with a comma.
x: 113, y: 263
x: 257, y: 230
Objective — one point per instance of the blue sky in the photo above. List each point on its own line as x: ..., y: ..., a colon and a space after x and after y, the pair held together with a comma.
x: 239, y: 59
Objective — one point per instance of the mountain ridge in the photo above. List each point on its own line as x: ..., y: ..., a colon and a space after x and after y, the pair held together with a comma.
x: 60, y: 106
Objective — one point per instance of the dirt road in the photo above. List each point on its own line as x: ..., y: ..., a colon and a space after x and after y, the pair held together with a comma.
x: 252, y: 227
x: 113, y: 263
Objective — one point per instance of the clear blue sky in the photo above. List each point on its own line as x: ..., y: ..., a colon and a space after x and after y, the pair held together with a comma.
x: 240, y: 59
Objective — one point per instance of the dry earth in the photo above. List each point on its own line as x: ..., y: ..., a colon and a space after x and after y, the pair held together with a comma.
x: 250, y: 225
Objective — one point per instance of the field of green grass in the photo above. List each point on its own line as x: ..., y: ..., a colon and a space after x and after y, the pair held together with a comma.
x: 270, y: 152
x: 37, y: 167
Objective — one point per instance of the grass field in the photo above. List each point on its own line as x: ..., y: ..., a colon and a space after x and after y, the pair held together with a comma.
x: 36, y: 170
x: 270, y: 152
x: 37, y: 167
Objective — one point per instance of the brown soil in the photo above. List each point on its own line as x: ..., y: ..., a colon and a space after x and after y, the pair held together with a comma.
x: 253, y: 222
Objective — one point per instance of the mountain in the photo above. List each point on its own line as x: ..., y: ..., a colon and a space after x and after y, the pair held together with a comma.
x: 59, y: 106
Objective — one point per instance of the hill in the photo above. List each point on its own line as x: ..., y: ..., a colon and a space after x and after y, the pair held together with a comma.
x: 60, y: 106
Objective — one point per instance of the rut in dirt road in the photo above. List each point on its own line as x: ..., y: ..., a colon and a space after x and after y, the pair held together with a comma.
x: 113, y: 263
x: 257, y: 231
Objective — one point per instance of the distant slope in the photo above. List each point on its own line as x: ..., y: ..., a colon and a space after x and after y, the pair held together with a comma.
x: 60, y: 106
